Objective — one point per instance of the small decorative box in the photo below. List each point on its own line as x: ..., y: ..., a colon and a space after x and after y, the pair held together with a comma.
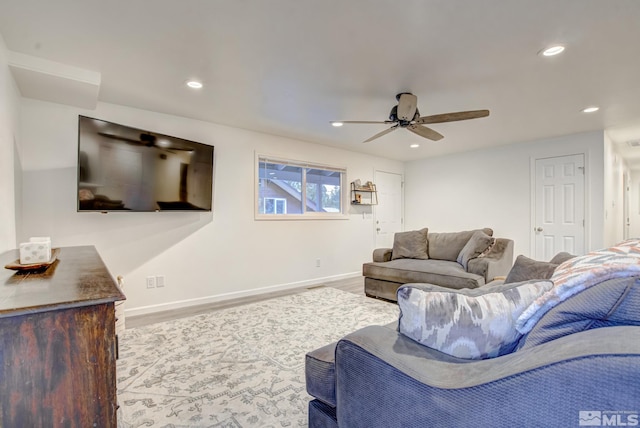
x: 37, y: 250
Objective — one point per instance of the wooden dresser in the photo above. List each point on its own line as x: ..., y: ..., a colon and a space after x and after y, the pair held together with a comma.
x: 57, y: 343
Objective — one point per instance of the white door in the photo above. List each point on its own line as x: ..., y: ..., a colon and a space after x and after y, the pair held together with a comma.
x: 626, y: 194
x: 388, y: 212
x: 559, y: 206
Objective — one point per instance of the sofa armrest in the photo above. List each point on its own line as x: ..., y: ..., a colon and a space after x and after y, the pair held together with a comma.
x: 386, y: 379
x: 382, y: 254
x: 497, y: 263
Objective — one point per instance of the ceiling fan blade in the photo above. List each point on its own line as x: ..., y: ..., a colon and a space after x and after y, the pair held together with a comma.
x: 170, y: 148
x: 118, y: 137
x: 407, y: 105
x: 452, y: 117
x: 360, y: 121
x: 425, y: 132
x: 380, y: 134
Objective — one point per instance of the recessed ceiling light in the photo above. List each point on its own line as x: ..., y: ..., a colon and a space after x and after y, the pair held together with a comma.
x: 553, y: 50
x: 414, y: 146
x: 590, y: 109
x: 194, y: 84
x: 336, y: 124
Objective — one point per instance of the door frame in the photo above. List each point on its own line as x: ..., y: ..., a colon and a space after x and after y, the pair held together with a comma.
x: 375, y: 208
x: 532, y: 194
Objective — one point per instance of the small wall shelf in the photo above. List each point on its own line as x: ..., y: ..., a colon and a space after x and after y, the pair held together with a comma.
x: 364, y: 195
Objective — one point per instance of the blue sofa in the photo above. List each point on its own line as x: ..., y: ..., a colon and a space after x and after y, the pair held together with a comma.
x: 578, y: 365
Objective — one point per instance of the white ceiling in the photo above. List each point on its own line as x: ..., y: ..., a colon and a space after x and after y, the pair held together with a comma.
x: 288, y: 67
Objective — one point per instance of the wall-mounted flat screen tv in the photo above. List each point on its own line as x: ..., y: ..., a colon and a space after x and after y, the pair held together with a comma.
x: 121, y: 168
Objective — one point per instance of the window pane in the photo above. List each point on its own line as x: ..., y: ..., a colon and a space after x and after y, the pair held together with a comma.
x: 324, y: 194
x: 280, y: 190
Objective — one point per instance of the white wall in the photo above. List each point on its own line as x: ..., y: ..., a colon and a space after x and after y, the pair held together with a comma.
x: 492, y: 188
x: 634, y: 204
x: 614, y: 171
x: 203, y: 256
x: 9, y: 157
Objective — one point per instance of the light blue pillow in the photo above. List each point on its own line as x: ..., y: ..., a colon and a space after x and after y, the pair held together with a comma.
x: 473, y: 324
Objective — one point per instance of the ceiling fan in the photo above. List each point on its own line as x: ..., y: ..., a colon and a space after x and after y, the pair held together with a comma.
x: 147, y: 140
x: 406, y: 115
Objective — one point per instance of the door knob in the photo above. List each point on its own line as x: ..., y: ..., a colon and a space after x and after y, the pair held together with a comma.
x: 377, y: 229
x: 539, y: 229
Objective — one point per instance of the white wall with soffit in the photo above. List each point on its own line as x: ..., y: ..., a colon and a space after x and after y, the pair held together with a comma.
x: 492, y: 188
x: 9, y: 157
x: 204, y: 257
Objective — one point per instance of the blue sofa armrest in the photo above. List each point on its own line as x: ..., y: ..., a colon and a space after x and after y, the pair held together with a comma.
x: 384, y: 379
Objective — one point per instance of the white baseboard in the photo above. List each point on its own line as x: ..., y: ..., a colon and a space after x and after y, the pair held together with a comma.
x: 179, y: 304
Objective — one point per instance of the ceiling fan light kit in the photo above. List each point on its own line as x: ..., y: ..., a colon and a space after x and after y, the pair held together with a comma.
x: 406, y: 115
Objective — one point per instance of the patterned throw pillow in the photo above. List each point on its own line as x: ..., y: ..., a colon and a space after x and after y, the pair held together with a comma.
x: 466, y: 323
x: 579, y: 273
x: 479, y: 242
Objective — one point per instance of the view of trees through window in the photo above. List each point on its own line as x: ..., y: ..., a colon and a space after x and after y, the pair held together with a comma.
x: 320, y: 188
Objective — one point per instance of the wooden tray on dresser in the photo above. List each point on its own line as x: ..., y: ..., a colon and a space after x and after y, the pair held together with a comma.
x: 16, y: 265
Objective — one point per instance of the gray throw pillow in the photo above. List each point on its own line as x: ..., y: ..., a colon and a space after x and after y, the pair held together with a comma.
x: 479, y: 242
x: 525, y: 269
x: 410, y: 245
x: 561, y: 257
x: 447, y: 245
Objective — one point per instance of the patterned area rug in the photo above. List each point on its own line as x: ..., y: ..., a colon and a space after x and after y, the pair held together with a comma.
x: 237, y: 367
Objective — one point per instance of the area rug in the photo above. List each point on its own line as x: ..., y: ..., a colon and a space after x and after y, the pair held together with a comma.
x: 235, y: 367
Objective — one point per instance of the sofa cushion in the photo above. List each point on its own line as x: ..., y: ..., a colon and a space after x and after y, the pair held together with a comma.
x: 440, y: 272
x: 410, y: 245
x: 525, y: 269
x: 475, y: 246
x: 447, y: 246
x: 580, y: 273
x: 466, y: 323
x: 612, y: 303
x: 320, y: 370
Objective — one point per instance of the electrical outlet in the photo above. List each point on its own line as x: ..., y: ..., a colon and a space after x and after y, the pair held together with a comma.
x: 151, y: 282
x: 160, y: 281
x: 317, y: 262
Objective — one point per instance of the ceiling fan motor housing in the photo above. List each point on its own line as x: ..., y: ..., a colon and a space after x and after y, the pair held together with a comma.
x: 393, y: 116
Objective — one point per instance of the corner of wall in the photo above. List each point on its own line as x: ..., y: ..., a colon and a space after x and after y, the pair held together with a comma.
x: 9, y: 112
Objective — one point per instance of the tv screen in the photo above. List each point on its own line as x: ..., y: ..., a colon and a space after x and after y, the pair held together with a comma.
x: 127, y: 169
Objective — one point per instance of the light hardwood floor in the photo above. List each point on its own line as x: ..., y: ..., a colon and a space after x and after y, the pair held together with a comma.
x: 351, y: 285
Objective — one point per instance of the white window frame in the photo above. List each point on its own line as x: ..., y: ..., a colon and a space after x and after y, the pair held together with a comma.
x: 344, y: 191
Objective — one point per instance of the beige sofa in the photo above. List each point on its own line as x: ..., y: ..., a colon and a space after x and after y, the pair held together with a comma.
x: 467, y: 259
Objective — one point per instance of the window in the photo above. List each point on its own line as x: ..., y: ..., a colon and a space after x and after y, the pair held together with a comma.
x: 275, y: 206
x: 291, y: 189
